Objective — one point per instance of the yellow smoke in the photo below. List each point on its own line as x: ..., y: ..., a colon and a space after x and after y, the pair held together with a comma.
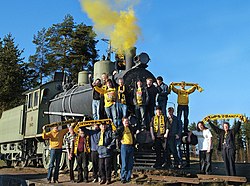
x: 119, y: 26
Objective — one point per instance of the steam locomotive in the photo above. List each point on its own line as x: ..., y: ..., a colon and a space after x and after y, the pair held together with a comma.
x: 21, y: 140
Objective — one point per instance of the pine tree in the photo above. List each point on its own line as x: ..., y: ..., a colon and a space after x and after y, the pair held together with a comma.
x: 12, y: 70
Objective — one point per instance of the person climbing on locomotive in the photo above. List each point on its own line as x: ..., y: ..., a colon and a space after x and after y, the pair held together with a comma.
x: 140, y: 101
x: 109, y: 99
x: 150, y: 107
x: 174, y: 134
x: 94, y: 154
x: 71, y: 156
x: 183, y: 101
x: 55, y: 137
x: 125, y: 134
x: 96, y: 98
x: 105, y: 142
x: 227, y: 145
x: 162, y: 96
x: 159, y: 133
x: 205, y: 146
x: 104, y: 78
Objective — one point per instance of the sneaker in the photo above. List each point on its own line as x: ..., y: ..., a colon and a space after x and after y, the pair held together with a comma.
x: 95, y: 180
x: 48, y: 180
x: 123, y: 181
x: 102, y: 182
x: 56, y: 181
x: 108, y: 182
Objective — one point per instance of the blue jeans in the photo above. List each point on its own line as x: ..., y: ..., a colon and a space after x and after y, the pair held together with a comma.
x: 111, y: 113
x: 127, y: 157
x: 121, y: 112
x: 55, y: 156
x: 178, y: 147
x: 185, y: 109
x: 96, y: 109
x: 140, y: 112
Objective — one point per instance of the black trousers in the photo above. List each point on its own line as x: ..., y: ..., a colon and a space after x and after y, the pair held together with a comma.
x: 105, y: 165
x: 82, y: 165
x: 171, y: 148
x: 95, y: 162
x: 228, y: 155
x: 160, y: 144
x: 71, y: 167
x: 205, y: 161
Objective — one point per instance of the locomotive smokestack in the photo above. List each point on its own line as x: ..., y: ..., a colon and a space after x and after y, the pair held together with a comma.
x: 129, y: 56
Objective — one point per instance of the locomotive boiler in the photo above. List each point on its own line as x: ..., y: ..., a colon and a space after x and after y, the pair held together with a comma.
x: 20, y: 128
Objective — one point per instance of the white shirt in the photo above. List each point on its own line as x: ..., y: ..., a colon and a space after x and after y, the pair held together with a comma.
x: 203, y: 139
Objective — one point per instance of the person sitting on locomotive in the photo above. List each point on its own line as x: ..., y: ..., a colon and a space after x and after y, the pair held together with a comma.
x: 152, y: 92
x: 55, y: 137
x: 109, y: 100
x: 183, y: 100
x: 227, y: 145
x: 125, y: 134
x: 104, y: 78
x: 71, y: 156
x: 204, y: 145
x: 140, y: 101
x: 104, y: 149
x: 82, y: 150
x: 96, y: 98
x: 174, y: 134
x: 162, y: 96
x: 159, y: 133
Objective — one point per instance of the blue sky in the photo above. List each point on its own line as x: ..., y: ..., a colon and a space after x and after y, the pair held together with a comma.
x: 207, y: 42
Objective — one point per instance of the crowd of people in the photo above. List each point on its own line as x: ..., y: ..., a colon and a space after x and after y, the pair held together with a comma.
x: 111, y: 100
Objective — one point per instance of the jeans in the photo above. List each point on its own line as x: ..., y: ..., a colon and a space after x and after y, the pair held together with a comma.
x: 171, y: 148
x: 228, y: 155
x: 95, y: 160
x: 71, y: 167
x: 185, y: 109
x: 127, y: 157
x: 178, y: 147
x: 121, y: 112
x: 55, y: 156
x: 160, y: 144
x: 140, y: 112
x: 105, y: 168
x: 111, y: 113
x: 82, y: 165
x: 96, y: 109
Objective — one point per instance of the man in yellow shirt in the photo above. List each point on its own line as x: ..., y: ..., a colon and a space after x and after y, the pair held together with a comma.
x: 125, y: 134
x: 55, y: 137
x: 183, y: 100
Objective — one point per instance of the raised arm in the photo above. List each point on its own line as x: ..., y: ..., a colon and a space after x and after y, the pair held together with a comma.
x: 191, y: 90
x: 216, y: 129
x: 175, y: 90
x: 236, y: 128
x: 100, y: 90
x: 46, y: 135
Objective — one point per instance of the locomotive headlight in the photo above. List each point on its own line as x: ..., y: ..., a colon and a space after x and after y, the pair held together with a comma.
x: 142, y: 58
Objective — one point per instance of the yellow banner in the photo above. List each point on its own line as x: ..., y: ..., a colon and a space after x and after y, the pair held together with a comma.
x: 61, y: 123
x: 93, y: 122
x: 224, y: 116
x: 188, y: 84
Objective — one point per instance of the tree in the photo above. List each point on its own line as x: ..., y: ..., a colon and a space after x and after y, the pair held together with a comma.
x: 38, y: 61
x: 12, y: 70
x: 70, y: 47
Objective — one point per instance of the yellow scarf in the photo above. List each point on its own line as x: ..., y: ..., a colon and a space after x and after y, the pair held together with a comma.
x: 161, y: 122
x: 101, y: 140
x: 121, y: 96
x: 86, y: 144
x: 139, y: 96
x: 224, y: 116
x: 188, y: 84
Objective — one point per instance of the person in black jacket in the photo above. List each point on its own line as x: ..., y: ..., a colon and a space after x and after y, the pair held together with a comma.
x: 227, y: 145
x: 125, y: 134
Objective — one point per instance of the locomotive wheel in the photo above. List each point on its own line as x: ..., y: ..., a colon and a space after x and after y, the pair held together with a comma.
x: 46, y: 156
x: 20, y: 162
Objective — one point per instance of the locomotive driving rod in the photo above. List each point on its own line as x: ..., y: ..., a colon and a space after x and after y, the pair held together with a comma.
x: 94, y: 122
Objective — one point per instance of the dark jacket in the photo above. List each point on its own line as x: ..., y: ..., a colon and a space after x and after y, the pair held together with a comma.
x: 105, y: 150
x: 175, y: 127
x: 93, y: 139
x: 163, y: 92
x: 96, y: 95
x: 145, y: 96
x: 120, y: 130
x: 152, y: 92
x: 230, y: 139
